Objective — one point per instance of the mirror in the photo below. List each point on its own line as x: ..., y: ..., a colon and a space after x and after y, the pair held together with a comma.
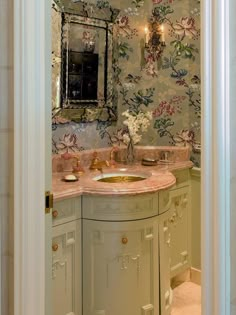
x: 82, y: 55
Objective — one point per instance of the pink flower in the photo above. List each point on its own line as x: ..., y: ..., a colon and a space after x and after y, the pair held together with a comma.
x: 164, y: 108
x: 177, y: 99
x: 67, y: 143
x: 186, y: 27
x: 157, y: 112
x: 123, y: 21
x: 163, y: 104
x: 117, y: 138
x: 57, y: 120
x: 185, y: 138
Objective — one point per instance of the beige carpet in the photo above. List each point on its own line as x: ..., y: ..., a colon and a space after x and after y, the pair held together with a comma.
x: 187, y: 299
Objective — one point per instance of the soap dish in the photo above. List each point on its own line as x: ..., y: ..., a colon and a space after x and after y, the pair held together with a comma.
x: 149, y: 162
x: 70, y: 178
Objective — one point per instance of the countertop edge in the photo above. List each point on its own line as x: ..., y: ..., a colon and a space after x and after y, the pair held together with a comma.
x: 152, y: 186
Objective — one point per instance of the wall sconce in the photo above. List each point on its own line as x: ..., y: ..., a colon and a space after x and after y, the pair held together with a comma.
x: 155, y: 38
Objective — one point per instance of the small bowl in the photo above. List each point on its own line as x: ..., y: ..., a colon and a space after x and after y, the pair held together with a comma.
x: 149, y: 162
x: 70, y: 178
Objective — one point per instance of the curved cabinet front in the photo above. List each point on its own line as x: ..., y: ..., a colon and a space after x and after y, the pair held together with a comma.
x: 131, y: 246
x: 120, y: 268
x: 120, y: 208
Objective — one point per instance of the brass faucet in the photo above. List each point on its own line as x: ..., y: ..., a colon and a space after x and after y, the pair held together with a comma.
x: 78, y: 168
x: 96, y: 164
x: 112, y: 161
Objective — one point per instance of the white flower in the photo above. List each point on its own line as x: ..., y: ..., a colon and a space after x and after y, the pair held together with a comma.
x: 195, y: 87
x: 137, y: 138
x: 126, y: 138
x: 129, y: 86
x: 131, y: 11
x: 136, y: 123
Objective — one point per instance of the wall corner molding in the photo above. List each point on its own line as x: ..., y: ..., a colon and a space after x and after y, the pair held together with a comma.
x: 195, y: 172
x: 31, y: 24
x: 215, y: 179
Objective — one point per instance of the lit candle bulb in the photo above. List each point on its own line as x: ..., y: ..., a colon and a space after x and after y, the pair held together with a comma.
x: 162, y: 34
x: 146, y: 35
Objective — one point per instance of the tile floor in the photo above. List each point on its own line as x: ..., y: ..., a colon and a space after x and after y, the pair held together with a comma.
x: 187, y: 299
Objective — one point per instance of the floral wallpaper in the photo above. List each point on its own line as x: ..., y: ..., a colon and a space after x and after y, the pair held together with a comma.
x: 164, y: 81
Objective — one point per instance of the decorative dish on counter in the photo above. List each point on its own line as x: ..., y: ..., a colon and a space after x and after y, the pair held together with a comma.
x: 149, y: 162
x: 70, y: 178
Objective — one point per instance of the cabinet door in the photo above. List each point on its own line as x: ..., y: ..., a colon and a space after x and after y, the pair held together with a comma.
x: 120, y: 268
x: 66, y: 269
x: 180, y: 231
x: 164, y: 245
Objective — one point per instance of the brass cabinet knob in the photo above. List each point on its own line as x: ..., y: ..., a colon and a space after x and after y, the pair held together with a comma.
x: 124, y: 240
x: 55, y: 213
x: 55, y: 247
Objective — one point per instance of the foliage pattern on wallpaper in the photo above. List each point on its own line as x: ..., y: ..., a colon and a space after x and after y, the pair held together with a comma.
x: 168, y: 85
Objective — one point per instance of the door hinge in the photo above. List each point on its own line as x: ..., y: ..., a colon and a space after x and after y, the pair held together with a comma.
x: 48, y: 201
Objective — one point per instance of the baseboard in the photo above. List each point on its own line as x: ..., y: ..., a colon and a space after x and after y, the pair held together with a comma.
x: 191, y: 274
x: 195, y: 276
x: 195, y: 172
x: 184, y: 276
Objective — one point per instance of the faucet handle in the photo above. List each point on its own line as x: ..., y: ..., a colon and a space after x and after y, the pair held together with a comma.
x: 95, y: 157
x: 107, y: 163
x: 95, y: 161
x: 112, y: 157
x: 95, y: 154
x: 78, y: 168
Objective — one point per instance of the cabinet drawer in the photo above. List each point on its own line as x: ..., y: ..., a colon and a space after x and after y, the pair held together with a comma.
x: 66, y: 211
x: 182, y: 178
x: 127, y: 208
x: 171, y: 199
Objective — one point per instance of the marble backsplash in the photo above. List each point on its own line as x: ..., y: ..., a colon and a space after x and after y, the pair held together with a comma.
x: 176, y: 154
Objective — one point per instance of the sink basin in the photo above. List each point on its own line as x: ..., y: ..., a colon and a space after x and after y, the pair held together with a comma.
x: 121, y: 177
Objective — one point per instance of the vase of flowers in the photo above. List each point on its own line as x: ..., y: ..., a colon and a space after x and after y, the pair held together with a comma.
x: 130, y: 157
x: 136, y: 123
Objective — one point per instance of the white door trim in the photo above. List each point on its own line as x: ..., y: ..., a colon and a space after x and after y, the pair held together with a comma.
x: 30, y: 45
x: 31, y: 93
x: 215, y: 158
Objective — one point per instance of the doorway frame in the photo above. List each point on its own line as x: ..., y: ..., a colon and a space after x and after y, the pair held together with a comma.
x: 31, y: 52
x: 215, y: 159
x: 32, y: 154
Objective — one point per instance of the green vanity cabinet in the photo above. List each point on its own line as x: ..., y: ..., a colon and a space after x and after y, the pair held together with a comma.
x: 66, y: 257
x: 128, y: 248
x: 180, y: 223
x: 126, y: 255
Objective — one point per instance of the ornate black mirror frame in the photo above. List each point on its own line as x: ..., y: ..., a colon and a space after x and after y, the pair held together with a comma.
x: 67, y: 13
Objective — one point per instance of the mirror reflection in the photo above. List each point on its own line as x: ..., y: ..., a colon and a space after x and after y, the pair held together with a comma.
x: 84, y: 61
x: 82, y: 73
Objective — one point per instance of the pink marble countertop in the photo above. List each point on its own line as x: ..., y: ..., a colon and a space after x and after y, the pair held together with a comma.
x: 158, y: 177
